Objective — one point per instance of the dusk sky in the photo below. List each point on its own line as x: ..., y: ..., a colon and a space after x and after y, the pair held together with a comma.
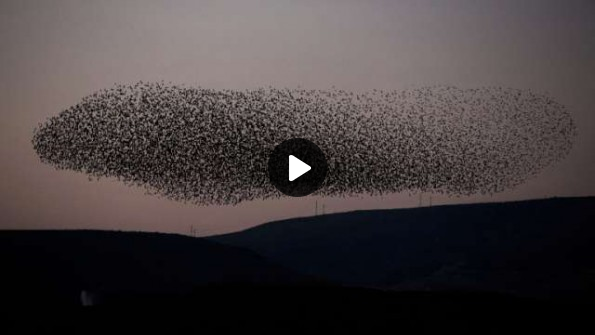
x: 56, y: 52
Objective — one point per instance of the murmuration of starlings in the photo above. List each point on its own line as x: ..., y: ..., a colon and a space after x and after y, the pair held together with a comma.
x: 211, y: 147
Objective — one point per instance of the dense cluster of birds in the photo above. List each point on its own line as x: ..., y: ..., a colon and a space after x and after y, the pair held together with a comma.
x: 211, y: 146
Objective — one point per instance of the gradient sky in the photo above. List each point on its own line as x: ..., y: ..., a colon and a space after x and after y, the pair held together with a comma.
x: 52, y: 53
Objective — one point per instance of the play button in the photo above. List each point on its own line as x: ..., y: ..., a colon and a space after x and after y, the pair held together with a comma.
x: 297, y: 167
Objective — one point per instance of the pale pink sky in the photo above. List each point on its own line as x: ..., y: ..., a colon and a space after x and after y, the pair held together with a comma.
x: 52, y: 53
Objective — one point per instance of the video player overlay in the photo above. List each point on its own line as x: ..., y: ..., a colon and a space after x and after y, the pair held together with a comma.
x: 212, y: 146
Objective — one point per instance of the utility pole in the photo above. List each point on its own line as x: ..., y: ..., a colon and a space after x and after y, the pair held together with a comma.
x: 193, y: 231
x: 316, y: 208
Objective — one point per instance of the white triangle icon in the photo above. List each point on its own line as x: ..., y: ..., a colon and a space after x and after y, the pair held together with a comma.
x: 297, y: 168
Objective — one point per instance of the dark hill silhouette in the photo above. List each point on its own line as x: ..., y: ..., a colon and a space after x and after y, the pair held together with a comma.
x: 53, y: 267
x: 150, y: 282
x: 529, y: 247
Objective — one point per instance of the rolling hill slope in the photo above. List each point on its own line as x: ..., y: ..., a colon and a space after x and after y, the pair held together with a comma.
x: 528, y: 247
x: 53, y: 267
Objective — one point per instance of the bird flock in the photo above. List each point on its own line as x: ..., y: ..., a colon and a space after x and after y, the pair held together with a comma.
x: 211, y: 147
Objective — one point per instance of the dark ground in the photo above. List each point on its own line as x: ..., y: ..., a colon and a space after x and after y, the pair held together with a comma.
x: 311, y: 310
x: 487, y: 268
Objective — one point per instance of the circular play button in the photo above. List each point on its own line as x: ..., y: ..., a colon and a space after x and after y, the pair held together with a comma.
x: 297, y: 167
